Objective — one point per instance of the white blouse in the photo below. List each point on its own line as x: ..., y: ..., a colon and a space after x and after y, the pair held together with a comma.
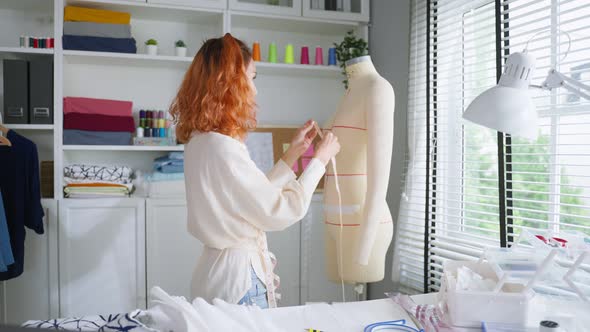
x: 231, y: 204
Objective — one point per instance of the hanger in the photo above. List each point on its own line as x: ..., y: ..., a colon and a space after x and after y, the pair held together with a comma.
x: 3, y: 140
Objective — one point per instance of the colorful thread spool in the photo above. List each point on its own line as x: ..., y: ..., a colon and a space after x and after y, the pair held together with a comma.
x: 304, y: 55
x: 289, y: 54
x: 332, y: 57
x: 272, y: 53
x: 256, y: 52
x: 319, y: 56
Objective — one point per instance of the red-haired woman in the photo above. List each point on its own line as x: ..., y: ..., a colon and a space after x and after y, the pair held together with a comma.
x: 230, y: 202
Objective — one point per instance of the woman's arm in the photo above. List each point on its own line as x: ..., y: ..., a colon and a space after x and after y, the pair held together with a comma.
x: 262, y: 203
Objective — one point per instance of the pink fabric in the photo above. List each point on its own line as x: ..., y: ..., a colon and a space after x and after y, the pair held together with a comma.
x: 97, y: 106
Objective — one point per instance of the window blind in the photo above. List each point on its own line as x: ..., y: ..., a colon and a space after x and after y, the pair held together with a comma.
x: 408, y: 265
x: 463, y: 165
x: 548, y: 180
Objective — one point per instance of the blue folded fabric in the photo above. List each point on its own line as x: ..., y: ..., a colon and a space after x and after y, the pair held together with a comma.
x: 86, y: 137
x: 99, y: 44
x: 6, y: 257
x: 176, y: 155
x: 172, y: 169
x: 159, y: 176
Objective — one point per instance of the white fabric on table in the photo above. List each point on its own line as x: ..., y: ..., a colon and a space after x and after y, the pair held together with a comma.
x: 171, y: 313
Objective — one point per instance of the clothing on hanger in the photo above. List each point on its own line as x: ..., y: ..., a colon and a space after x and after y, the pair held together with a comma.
x: 21, y: 196
x: 6, y: 257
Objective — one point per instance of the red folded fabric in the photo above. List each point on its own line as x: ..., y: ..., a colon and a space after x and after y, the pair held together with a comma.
x: 98, y: 122
x: 97, y: 106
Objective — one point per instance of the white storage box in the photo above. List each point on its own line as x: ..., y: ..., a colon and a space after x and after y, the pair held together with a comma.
x: 471, y: 308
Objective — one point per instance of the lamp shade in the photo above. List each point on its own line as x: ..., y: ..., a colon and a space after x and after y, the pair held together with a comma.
x: 508, y: 107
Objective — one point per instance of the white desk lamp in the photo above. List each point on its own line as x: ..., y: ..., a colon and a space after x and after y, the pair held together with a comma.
x: 508, y: 107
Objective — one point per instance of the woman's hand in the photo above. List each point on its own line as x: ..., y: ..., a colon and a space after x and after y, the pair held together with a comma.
x: 327, y: 148
x: 300, y: 143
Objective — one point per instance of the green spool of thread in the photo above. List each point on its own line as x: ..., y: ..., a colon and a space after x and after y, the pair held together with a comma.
x: 272, y: 53
x: 289, y: 54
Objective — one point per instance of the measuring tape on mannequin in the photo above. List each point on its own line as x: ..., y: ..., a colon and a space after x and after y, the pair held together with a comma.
x: 340, y: 267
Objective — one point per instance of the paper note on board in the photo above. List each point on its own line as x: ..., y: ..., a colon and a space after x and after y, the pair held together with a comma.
x: 261, y: 150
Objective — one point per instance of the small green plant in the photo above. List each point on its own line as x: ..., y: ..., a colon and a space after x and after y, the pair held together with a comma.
x: 273, y: 2
x: 351, y: 47
x: 180, y: 43
x: 151, y: 42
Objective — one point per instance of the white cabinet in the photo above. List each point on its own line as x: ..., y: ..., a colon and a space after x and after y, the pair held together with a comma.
x: 218, y: 4
x: 350, y: 10
x: 172, y: 252
x: 34, y: 294
x: 315, y: 286
x: 277, y: 7
x: 101, y: 256
x: 286, y: 247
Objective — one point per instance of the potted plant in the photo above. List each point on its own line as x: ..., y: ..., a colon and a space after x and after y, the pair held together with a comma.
x: 151, y: 46
x: 351, y: 47
x: 180, y: 48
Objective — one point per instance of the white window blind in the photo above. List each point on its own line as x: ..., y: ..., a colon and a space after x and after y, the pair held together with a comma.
x: 548, y: 180
x: 408, y: 265
x: 453, y: 188
x: 463, y: 172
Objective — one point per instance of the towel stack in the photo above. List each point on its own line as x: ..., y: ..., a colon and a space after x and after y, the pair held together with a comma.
x: 89, y: 121
x: 167, y: 180
x: 98, y: 30
x: 93, y: 181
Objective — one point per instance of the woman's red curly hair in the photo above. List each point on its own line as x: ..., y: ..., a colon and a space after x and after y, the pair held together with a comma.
x: 215, y: 94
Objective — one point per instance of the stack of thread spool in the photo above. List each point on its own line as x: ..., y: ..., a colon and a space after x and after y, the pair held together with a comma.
x: 289, y: 57
x: 36, y: 42
x: 153, y: 124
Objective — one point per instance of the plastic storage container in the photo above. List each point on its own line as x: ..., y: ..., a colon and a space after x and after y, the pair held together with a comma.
x: 471, y: 308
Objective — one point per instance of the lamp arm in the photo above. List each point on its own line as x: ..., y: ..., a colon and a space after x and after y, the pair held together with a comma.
x: 556, y: 79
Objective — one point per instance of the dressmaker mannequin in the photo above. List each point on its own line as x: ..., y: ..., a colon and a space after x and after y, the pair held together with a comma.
x: 363, y: 124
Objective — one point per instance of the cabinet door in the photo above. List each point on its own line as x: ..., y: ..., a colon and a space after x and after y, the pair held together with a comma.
x: 315, y: 284
x: 34, y: 294
x: 277, y: 7
x: 172, y: 252
x: 217, y: 4
x: 101, y: 256
x: 350, y: 10
x: 286, y: 246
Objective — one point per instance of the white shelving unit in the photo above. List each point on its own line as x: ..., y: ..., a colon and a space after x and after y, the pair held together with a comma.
x: 29, y: 127
x: 129, y: 148
x: 288, y: 95
x: 26, y: 50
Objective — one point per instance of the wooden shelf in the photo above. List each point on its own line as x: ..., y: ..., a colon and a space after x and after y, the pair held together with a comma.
x: 88, y: 57
x: 109, y: 58
x: 299, y: 24
x: 29, y: 126
x: 121, y: 148
x: 26, y: 50
x: 290, y: 69
x: 155, y: 12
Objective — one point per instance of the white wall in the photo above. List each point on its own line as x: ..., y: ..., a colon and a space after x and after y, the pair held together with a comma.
x: 389, y: 40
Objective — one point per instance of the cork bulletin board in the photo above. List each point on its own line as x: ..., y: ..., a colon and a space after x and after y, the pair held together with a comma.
x: 281, y: 139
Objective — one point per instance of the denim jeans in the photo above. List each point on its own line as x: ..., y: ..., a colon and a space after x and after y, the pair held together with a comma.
x: 256, y: 295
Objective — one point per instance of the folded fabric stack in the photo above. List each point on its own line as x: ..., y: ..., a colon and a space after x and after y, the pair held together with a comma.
x: 90, y: 121
x: 98, y: 30
x: 167, y: 180
x: 93, y: 181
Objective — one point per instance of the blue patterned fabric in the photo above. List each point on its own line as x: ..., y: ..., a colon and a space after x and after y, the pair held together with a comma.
x: 169, y: 164
x: 103, y: 323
